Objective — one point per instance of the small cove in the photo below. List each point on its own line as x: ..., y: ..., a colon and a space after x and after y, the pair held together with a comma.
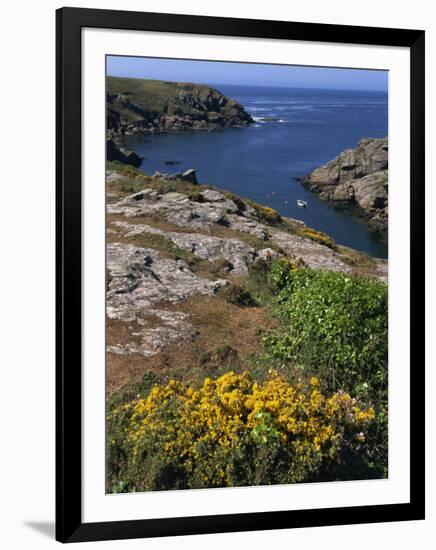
x: 262, y: 161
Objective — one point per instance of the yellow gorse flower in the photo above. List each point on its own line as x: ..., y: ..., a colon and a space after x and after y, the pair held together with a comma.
x: 317, y: 236
x: 200, y: 429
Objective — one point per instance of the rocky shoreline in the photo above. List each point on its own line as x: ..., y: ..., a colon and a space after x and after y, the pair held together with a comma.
x: 141, y: 107
x: 356, y: 180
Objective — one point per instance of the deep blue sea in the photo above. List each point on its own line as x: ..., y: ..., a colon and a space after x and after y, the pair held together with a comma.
x: 261, y: 161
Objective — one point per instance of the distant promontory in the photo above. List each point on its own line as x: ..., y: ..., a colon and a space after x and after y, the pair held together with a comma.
x: 136, y: 106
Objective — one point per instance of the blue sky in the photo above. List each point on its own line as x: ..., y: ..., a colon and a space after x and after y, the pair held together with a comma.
x: 209, y: 72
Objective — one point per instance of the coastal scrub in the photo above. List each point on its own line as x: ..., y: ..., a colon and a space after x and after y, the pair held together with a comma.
x: 231, y: 431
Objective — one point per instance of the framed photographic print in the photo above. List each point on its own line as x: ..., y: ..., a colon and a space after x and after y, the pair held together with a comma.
x: 240, y: 274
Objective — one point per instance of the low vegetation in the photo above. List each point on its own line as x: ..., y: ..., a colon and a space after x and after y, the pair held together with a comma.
x: 317, y: 236
x: 285, y: 378
x: 265, y: 213
x: 229, y: 432
x: 335, y: 326
x: 310, y: 405
x: 146, y: 94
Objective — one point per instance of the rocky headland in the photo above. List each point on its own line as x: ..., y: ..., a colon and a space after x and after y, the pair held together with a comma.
x: 357, y: 179
x: 141, y: 107
x: 175, y: 248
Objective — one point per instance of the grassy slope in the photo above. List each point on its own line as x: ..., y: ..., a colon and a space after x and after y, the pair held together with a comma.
x: 150, y: 95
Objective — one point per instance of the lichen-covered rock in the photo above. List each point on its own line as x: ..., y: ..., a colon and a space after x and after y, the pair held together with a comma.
x: 210, y: 195
x: 176, y: 208
x: 141, y: 277
x: 138, y: 279
x: 168, y: 327
x: 206, y: 247
x: 356, y: 178
x: 267, y: 255
x: 190, y: 176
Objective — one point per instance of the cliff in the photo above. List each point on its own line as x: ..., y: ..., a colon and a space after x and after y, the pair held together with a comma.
x: 153, y: 106
x: 137, y: 106
x: 356, y: 179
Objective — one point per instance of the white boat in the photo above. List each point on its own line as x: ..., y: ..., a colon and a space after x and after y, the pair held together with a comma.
x: 301, y: 204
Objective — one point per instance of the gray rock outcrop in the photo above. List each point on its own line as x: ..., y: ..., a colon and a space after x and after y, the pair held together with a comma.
x: 356, y: 179
x: 190, y: 176
x: 138, y: 280
x: 141, y: 277
x: 116, y: 150
x: 206, y: 247
x: 200, y: 217
x: 147, y: 284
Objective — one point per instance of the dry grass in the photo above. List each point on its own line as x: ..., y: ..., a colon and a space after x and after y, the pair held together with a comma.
x: 361, y: 264
x: 216, y: 230
x: 226, y: 337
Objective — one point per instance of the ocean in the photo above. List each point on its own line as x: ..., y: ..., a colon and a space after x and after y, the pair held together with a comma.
x: 261, y: 162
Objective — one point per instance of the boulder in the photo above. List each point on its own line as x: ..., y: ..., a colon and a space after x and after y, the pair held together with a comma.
x: 189, y: 176
x: 117, y: 151
x: 210, y: 195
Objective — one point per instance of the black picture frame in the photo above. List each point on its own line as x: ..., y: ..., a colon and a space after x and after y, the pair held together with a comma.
x: 69, y: 525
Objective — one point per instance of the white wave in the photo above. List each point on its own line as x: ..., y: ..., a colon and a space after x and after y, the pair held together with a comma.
x: 273, y: 102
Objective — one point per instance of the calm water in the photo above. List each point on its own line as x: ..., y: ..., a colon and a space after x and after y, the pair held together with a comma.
x: 261, y: 161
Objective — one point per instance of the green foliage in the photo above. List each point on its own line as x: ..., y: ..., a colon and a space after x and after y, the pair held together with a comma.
x: 230, y: 431
x: 257, y: 283
x: 336, y: 327
x: 333, y: 320
x: 281, y: 272
x: 131, y: 185
x: 124, y: 169
x: 134, y: 389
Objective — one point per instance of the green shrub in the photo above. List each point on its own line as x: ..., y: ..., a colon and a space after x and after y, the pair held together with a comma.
x: 333, y: 320
x: 335, y: 326
x: 230, y: 432
x: 281, y: 271
x: 236, y: 294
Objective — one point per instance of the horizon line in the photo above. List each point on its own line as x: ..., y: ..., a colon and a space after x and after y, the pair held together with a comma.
x: 253, y: 85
